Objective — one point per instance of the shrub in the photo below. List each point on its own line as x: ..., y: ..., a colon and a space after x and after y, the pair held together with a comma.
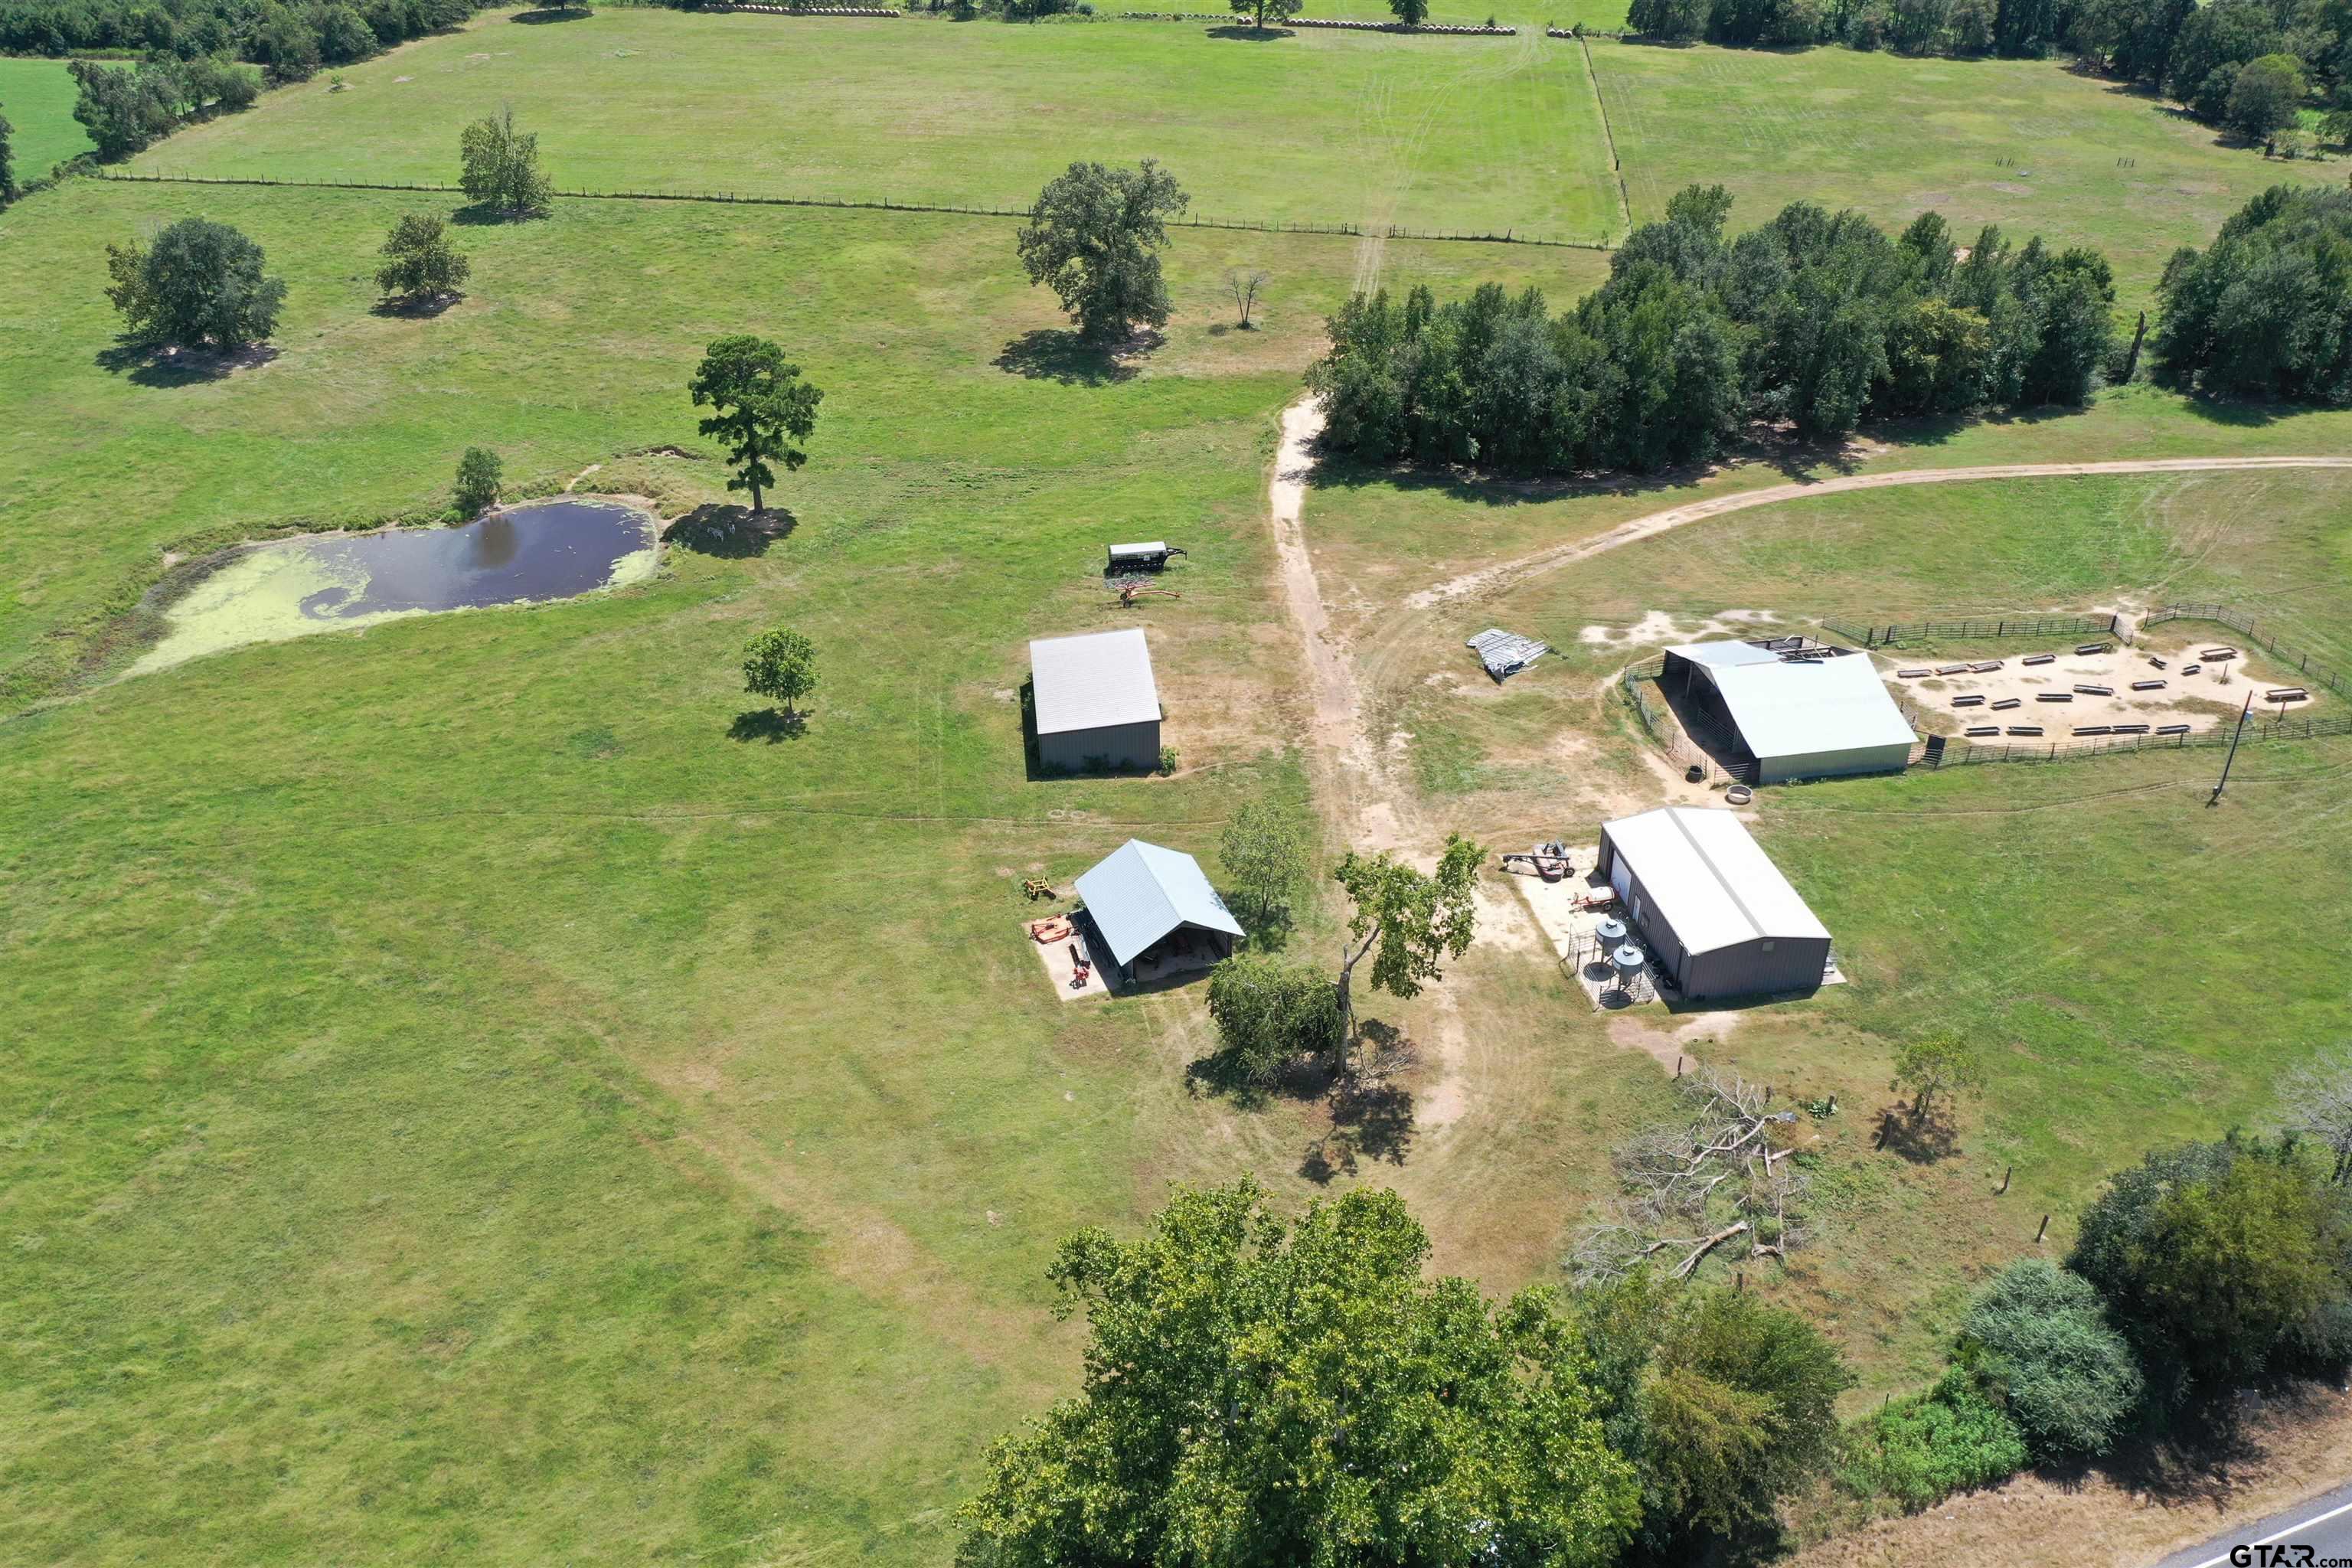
x: 1920, y: 1451
x: 2039, y: 1339
x: 1270, y: 1012
x: 2222, y: 1263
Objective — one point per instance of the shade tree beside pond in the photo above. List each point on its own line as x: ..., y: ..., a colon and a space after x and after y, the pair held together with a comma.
x: 759, y: 406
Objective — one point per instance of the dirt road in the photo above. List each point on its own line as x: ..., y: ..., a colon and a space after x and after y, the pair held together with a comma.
x: 1503, y: 574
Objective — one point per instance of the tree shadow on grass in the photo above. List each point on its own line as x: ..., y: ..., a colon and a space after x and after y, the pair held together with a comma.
x: 546, y: 14
x: 479, y: 215
x: 1253, y: 34
x: 1052, y: 353
x: 423, y: 309
x: 1921, y: 1139
x: 729, y: 532
x: 160, y: 365
x: 767, y: 724
x: 1371, y: 1114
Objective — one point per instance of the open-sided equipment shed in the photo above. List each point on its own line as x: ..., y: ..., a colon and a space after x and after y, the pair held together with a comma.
x: 1143, y: 897
x: 1716, y: 915
x: 1799, y: 712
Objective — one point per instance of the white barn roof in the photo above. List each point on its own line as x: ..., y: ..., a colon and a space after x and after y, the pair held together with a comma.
x: 1093, y: 682
x: 1714, y: 883
x: 1800, y: 707
x: 1141, y: 892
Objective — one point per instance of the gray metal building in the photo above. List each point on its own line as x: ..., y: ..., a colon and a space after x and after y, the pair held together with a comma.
x: 1808, y: 713
x: 1716, y: 914
x: 1096, y: 702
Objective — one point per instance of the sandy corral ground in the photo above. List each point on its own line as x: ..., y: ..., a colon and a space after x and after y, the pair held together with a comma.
x: 2203, y: 699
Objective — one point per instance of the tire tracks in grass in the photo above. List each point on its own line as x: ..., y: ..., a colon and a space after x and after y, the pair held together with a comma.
x: 1508, y: 574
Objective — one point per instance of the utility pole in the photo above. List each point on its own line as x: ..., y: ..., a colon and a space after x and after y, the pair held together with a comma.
x: 2223, y: 782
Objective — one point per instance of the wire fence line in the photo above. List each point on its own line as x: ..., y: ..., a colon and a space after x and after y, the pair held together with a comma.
x: 2246, y: 626
x: 1262, y: 225
x: 1994, y: 626
x: 1966, y: 753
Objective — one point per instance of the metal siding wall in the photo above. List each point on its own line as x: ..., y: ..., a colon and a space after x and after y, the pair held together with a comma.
x: 1127, y: 746
x: 1833, y: 765
x: 1746, y: 970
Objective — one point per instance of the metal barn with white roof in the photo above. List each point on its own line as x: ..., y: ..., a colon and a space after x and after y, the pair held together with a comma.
x: 1096, y: 702
x: 1798, y: 712
x: 1146, y: 901
x: 1716, y: 914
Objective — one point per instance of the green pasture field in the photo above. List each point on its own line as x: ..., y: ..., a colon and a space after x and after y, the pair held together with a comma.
x: 37, y: 99
x: 574, y: 344
x: 1487, y: 134
x: 462, y: 1104
x: 2023, y: 143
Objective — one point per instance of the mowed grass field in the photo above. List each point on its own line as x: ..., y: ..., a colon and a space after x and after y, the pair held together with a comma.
x: 463, y: 1105
x: 2023, y: 143
x: 1483, y: 134
x: 37, y: 96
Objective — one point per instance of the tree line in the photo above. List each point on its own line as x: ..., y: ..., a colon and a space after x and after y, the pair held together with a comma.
x: 1818, y: 320
x: 292, y: 41
x: 2247, y: 65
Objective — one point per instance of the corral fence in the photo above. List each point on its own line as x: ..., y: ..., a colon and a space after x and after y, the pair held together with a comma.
x: 2314, y: 673
x: 1263, y: 226
x: 1955, y: 754
x: 1638, y: 683
x: 1973, y: 628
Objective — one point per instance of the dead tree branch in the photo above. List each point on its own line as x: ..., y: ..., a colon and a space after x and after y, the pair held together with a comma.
x: 1707, y: 1179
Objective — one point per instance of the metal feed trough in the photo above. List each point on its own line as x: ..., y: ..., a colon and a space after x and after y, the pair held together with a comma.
x: 1150, y: 557
x: 1505, y: 654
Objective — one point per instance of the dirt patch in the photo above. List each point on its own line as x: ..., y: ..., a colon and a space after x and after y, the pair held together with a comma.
x: 1657, y: 626
x: 2207, y: 699
x: 1670, y: 1049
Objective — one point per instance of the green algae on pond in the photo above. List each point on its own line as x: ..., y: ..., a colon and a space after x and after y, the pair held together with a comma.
x: 527, y: 554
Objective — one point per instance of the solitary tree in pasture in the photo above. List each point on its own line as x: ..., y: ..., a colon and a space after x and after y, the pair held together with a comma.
x: 421, y: 266
x: 7, y: 165
x: 1280, y: 10
x: 1093, y: 236
x: 1243, y: 284
x: 779, y: 665
x: 1407, y: 921
x: 199, y: 285
x: 759, y: 406
x: 1938, y: 1065
x: 1412, y: 13
x: 501, y: 168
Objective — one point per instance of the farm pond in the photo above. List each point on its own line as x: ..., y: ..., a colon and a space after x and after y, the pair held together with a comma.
x: 529, y: 553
